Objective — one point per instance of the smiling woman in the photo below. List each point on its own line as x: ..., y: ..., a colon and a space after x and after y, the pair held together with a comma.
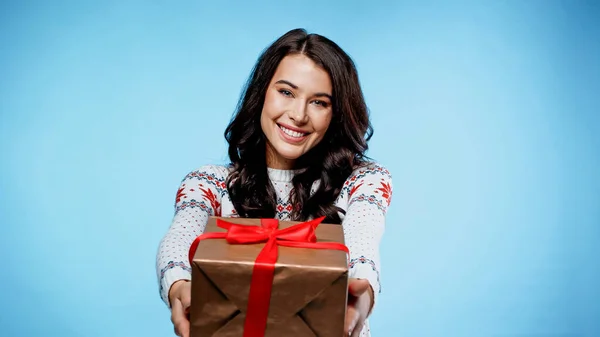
x: 297, y: 148
x: 297, y: 110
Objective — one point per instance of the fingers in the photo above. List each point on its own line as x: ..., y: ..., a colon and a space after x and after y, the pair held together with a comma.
x: 174, y: 290
x: 179, y: 318
x: 357, y: 330
x: 354, y: 322
x: 352, y: 318
x: 357, y: 287
x: 186, y: 300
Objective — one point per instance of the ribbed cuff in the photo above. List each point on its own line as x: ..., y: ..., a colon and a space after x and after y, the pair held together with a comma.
x: 171, y: 276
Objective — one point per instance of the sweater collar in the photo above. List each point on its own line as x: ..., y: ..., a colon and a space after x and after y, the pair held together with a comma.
x: 284, y: 176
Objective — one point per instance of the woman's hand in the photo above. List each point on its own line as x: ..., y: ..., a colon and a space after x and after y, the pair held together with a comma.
x: 180, y: 297
x: 360, y: 301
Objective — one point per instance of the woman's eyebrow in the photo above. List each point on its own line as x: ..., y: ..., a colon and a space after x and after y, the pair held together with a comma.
x: 288, y: 83
x: 319, y: 94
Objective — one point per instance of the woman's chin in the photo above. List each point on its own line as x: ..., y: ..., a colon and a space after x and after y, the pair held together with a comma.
x: 288, y: 151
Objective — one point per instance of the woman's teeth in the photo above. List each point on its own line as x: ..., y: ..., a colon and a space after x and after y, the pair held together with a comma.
x: 291, y: 133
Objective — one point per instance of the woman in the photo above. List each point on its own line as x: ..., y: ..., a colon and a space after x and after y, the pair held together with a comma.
x: 297, y: 148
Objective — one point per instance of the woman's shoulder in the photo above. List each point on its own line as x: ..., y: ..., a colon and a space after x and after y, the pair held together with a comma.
x: 211, y: 172
x: 368, y: 174
x: 370, y: 181
x: 371, y: 170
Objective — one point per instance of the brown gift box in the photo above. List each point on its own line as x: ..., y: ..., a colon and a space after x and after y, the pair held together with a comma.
x: 309, y: 289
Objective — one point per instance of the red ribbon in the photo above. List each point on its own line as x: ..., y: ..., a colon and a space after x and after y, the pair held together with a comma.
x: 298, y: 236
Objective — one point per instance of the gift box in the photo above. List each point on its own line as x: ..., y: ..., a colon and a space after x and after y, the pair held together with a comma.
x: 264, y: 277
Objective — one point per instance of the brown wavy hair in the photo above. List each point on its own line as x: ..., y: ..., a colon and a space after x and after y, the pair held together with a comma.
x: 330, y: 162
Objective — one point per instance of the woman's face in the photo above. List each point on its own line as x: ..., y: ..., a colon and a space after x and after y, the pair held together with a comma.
x: 297, y: 110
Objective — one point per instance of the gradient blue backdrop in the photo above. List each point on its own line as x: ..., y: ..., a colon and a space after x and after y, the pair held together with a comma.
x: 487, y: 114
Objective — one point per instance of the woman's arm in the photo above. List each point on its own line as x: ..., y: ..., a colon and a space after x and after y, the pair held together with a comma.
x: 369, y: 194
x: 198, y: 197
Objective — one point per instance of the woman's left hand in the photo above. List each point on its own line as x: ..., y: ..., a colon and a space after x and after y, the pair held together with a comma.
x: 360, y: 300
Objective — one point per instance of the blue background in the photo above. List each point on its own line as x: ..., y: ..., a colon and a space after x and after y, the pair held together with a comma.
x: 487, y: 114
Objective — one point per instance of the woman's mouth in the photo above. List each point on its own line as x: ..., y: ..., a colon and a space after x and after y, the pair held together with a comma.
x: 292, y: 136
x: 291, y: 133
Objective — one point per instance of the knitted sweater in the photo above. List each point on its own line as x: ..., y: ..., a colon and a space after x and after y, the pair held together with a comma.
x: 365, y: 196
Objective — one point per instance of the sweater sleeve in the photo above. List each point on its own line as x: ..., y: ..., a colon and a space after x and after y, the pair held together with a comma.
x: 369, y: 194
x: 198, y: 197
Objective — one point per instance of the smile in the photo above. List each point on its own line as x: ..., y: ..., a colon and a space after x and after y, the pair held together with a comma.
x: 291, y: 136
x: 292, y: 133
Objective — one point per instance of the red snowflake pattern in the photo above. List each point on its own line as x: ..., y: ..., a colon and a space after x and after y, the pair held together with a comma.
x: 214, y: 202
x: 180, y: 194
x: 386, y: 191
x: 354, y: 188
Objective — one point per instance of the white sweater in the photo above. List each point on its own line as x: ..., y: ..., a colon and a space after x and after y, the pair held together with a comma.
x: 366, y: 196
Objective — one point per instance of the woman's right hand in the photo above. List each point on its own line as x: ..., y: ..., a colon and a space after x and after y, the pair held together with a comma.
x: 180, y: 296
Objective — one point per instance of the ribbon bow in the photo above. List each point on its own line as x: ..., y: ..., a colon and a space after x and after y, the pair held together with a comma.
x: 299, y: 236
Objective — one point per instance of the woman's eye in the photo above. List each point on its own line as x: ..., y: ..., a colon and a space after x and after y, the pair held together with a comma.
x: 285, y: 92
x: 321, y: 103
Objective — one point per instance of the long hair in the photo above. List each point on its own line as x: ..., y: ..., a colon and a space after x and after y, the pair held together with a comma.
x: 328, y: 164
